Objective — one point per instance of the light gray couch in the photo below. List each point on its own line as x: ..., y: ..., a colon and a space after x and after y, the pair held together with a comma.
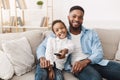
x: 109, y: 39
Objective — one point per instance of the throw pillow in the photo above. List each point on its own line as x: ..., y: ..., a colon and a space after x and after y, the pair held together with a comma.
x: 20, y: 54
x: 6, y: 68
x: 117, y: 56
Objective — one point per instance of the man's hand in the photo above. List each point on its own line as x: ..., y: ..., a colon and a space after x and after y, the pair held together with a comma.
x: 44, y: 63
x: 79, y: 65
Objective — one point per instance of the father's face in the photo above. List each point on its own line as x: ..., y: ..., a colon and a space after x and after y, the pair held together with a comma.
x: 75, y: 18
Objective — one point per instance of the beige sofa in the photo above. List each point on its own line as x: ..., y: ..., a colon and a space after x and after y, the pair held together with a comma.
x: 109, y: 38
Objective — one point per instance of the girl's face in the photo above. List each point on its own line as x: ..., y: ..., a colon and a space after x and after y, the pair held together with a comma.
x: 60, y: 30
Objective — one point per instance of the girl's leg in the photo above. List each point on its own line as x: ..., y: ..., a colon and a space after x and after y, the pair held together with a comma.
x: 58, y: 74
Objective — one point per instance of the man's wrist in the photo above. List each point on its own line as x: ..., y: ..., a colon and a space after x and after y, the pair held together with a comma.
x: 87, y: 61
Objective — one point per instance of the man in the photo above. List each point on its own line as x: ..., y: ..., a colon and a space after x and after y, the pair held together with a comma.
x: 94, y: 67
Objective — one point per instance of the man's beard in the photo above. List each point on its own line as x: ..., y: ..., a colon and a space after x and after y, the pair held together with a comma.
x: 75, y: 28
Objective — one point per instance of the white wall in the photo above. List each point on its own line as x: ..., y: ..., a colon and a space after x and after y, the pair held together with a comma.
x: 33, y: 15
x: 98, y: 13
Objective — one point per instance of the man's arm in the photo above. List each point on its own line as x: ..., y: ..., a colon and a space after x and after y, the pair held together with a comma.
x: 49, y: 50
x: 96, y: 54
x: 41, y: 53
x: 41, y: 49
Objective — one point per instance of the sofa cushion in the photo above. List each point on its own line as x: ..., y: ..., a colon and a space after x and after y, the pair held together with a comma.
x: 117, y: 56
x: 110, y: 39
x: 27, y: 76
x: 69, y: 76
x: 34, y: 37
x: 20, y: 54
x: 6, y: 68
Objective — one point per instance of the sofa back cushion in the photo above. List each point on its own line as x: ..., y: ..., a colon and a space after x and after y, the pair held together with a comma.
x: 110, y: 39
x: 117, y: 56
x: 34, y: 37
x: 20, y: 55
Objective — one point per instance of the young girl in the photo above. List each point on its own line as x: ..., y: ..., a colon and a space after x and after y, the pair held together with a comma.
x: 57, y: 50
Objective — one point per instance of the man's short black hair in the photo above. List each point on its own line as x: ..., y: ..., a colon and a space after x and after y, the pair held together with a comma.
x: 76, y: 8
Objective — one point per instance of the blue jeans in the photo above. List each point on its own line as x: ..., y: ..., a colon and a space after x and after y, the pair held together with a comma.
x: 42, y: 74
x: 93, y: 72
x: 58, y: 74
x: 88, y: 73
x: 96, y: 72
x: 110, y: 72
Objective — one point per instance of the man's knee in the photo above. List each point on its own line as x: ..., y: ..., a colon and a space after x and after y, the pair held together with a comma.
x: 40, y: 74
x: 89, y: 73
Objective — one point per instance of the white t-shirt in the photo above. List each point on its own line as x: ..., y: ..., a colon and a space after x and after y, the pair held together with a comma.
x: 77, y: 54
x: 54, y: 45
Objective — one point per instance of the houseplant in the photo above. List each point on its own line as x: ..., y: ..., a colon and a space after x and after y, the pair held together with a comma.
x: 40, y: 3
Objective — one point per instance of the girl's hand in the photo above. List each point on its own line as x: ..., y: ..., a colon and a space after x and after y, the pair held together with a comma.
x: 51, y: 75
x: 63, y: 53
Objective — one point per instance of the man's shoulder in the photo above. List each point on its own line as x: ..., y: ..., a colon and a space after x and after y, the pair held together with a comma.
x: 85, y: 30
x: 90, y: 32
